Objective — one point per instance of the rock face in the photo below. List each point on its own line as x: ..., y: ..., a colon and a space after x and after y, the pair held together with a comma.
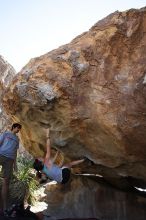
x: 91, y: 94
x: 7, y: 73
x: 84, y: 198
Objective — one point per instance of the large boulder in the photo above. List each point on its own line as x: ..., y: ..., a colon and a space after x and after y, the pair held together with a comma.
x: 84, y: 198
x: 91, y: 94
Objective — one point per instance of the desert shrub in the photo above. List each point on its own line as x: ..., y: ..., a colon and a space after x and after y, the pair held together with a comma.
x: 26, y: 175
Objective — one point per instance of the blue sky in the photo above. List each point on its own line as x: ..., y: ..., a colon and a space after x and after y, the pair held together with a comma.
x: 30, y: 28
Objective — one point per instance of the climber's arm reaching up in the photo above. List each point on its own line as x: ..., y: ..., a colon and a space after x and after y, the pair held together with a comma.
x: 48, y: 153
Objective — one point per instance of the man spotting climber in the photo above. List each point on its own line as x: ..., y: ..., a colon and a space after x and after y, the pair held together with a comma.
x: 51, y: 170
x: 9, y: 144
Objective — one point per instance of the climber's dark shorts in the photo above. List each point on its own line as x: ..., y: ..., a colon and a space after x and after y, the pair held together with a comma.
x: 7, y: 166
x: 65, y: 175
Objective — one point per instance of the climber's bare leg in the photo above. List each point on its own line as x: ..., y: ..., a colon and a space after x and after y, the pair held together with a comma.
x: 73, y: 163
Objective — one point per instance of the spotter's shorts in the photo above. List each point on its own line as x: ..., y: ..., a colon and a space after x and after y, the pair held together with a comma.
x: 7, y: 166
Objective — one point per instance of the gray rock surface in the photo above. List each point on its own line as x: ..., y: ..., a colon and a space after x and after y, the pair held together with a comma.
x: 85, y: 197
x: 7, y: 73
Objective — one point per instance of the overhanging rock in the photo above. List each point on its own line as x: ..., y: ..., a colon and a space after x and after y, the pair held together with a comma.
x: 91, y: 94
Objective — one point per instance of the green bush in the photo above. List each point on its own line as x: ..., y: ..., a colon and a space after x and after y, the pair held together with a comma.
x: 26, y: 175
